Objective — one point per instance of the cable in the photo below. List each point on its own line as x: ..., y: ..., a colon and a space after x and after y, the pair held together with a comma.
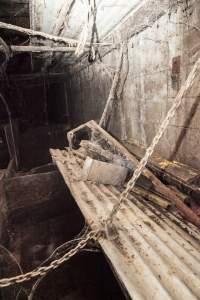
x: 11, y: 127
x: 13, y: 258
x: 57, y: 253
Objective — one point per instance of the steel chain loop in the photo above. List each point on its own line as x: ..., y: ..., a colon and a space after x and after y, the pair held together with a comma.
x: 5, y: 282
x: 41, y: 271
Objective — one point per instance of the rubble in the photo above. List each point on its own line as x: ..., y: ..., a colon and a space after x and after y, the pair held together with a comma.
x: 103, y: 147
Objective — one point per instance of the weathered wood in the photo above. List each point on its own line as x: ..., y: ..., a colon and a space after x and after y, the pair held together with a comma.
x: 181, y: 195
x: 184, y: 178
x: 34, y: 33
x: 36, y: 198
x: 43, y: 169
x: 39, y: 49
x: 152, y: 197
x: 97, y: 130
x: 158, y: 186
x: 28, y: 190
x: 63, y: 17
x: 94, y: 149
x: 40, y: 34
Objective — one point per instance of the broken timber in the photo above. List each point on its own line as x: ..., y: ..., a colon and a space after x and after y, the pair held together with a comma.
x: 38, y: 49
x: 95, y: 128
x: 173, y: 173
x: 97, y: 132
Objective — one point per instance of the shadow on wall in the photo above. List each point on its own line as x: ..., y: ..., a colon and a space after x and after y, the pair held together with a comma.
x: 186, y: 126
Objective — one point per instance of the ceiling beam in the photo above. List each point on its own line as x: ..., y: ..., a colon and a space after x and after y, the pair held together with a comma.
x: 30, y: 32
x: 54, y: 38
x: 63, y: 17
x: 39, y: 49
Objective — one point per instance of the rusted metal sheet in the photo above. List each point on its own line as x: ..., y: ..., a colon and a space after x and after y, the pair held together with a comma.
x: 156, y: 255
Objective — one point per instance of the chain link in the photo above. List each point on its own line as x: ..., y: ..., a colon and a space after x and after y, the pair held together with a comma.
x: 41, y: 271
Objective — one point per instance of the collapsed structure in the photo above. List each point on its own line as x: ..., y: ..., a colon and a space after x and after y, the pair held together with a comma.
x: 124, y: 187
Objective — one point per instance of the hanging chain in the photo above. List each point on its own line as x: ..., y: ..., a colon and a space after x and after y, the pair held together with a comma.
x: 150, y: 150
x: 41, y: 271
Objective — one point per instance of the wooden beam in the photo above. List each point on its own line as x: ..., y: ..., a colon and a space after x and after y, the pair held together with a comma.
x: 63, y: 17
x: 40, y: 34
x: 39, y: 49
x: 54, y: 38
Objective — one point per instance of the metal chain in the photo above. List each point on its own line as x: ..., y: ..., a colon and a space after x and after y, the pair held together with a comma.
x: 150, y: 150
x: 41, y: 271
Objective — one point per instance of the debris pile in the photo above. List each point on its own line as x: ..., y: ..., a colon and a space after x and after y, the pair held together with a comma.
x: 149, y: 235
x: 106, y: 161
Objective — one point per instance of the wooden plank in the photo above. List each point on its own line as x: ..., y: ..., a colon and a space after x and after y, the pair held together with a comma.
x: 63, y: 17
x: 39, y: 49
x: 35, y: 33
x: 179, y: 175
x: 29, y: 190
x: 40, y: 34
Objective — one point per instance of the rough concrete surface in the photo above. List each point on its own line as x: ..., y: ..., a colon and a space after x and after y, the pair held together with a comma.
x: 160, y: 58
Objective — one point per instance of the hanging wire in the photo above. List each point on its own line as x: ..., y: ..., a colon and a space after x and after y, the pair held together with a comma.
x: 57, y: 253
x: 13, y: 258
x: 11, y: 127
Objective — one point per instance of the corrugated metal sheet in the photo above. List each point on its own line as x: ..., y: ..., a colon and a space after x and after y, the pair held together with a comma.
x: 156, y: 255
x: 109, y: 14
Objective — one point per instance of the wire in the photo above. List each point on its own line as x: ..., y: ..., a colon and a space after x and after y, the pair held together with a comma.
x: 11, y: 126
x: 57, y: 252
x: 13, y: 258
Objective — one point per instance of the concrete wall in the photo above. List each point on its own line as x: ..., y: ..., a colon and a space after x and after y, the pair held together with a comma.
x: 161, y: 52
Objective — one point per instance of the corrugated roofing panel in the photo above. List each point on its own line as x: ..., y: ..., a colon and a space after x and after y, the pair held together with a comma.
x: 156, y: 255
